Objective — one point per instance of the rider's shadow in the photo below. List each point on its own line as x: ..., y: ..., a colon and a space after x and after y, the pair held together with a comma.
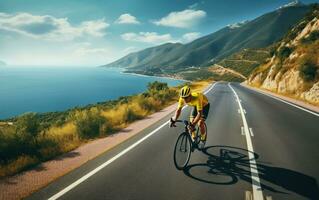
x: 227, y: 165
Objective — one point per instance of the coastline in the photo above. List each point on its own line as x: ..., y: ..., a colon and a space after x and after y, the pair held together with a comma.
x: 8, y: 115
x: 159, y: 76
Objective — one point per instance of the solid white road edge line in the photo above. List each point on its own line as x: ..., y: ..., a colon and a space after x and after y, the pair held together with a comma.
x: 284, y: 101
x: 91, y: 173
x: 257, y: 191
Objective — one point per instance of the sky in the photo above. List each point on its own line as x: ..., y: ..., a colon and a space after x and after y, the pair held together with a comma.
x: 96, y: 32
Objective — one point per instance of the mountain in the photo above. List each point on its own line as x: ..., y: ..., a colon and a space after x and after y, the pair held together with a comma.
x: 171, y: 58
x: 294, y: 67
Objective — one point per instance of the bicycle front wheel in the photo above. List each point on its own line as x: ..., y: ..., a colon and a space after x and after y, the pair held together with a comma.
x: 182, y: 151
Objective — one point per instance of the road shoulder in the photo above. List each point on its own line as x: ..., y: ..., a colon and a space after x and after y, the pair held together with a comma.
x: 285, y: 98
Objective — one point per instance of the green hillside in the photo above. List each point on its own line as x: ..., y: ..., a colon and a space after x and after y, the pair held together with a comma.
x: 246, y: 60
x: 170, y: 58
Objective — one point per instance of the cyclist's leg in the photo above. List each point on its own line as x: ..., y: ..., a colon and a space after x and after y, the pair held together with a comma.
x: 191, y: 118
x: 201, y: 122
x: 193, y: 114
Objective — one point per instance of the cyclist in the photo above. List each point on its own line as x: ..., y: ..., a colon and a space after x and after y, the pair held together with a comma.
x: 199, y: 111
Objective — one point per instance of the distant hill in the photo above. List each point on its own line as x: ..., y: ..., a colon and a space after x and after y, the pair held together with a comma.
x: 294, y: 68
x: 171, y: 58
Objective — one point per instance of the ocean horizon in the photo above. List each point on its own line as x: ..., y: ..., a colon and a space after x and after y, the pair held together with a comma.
x: 50, y: 89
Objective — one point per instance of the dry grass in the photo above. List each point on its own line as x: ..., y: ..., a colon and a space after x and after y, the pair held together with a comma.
x: 17, y: 165
x: 200, y: 85
x: 66, y: 136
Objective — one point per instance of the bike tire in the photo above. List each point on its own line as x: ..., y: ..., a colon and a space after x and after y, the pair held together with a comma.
x: 182, y: 151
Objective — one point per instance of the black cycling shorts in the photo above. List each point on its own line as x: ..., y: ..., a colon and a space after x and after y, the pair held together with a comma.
x: 205, y: 112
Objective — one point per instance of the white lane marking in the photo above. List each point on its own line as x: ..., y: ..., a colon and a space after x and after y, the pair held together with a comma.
x: 83, y: 178
x: 301, y: 108
x: 211, y: 88
x: 251, y: 132
x: 245, y: 111
x: 91, y: 173
x: 257, y: 191
x: 242, y: 130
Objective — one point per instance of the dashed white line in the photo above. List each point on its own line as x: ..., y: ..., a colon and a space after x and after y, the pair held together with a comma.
x: 251, y: 132
x: 257, y: 191
x: 91, y: 173
x: 242, y: 130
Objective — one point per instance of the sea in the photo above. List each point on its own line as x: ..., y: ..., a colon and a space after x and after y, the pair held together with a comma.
x: 47, y: 89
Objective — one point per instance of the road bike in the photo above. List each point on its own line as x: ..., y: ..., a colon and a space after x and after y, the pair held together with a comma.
x: 185, y: 145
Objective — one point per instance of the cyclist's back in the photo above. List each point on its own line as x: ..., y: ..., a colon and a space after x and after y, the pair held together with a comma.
x: 198, y: 100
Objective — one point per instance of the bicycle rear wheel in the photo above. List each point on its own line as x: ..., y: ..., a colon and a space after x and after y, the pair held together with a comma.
x: 182, y: 151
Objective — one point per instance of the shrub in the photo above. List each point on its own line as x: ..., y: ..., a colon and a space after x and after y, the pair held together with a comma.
x: 284, y: 52
x: 28, y: 125
x: 313, y: 36
x: 144, y: 103
x: 88, y: 123
x: 9, y: 144
x: 130, y: 115
x: 308, y: 71
x: 156, y: 86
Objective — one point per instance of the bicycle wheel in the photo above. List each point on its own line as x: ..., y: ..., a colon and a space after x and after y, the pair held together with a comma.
x: 182, y: 151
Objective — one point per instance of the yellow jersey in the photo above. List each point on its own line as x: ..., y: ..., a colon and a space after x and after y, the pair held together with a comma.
x: 199, y: 100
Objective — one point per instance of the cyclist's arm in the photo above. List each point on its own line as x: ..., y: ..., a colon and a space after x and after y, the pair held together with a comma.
x: 177, y: 113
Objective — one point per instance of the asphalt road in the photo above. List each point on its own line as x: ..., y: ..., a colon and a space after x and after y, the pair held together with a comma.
x: 283, y: 161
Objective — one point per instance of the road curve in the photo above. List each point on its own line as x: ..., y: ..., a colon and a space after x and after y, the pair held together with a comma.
x: 284, y: 157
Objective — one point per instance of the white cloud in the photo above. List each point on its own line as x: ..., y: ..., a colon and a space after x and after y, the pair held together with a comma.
x: 147, y: 37
x: 50, y: 28
x: 183, y: 19
x: 188, y: 37
x: 127, y: 19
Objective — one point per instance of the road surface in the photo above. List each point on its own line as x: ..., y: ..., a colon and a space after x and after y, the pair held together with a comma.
x: 257, y: 144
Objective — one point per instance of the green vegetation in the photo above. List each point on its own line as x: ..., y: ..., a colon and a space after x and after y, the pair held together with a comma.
x: 88, y: 122
x: 205, y: 74
x: 284, y: 52
x: 34, y: 138
x: 313, y: 36
x: 304, y: 59
x: 308, y: 68
x: 308, y: 71
x: 247, y: 60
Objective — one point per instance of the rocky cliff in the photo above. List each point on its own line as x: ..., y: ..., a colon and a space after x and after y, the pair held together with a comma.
x: 294, y: 67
